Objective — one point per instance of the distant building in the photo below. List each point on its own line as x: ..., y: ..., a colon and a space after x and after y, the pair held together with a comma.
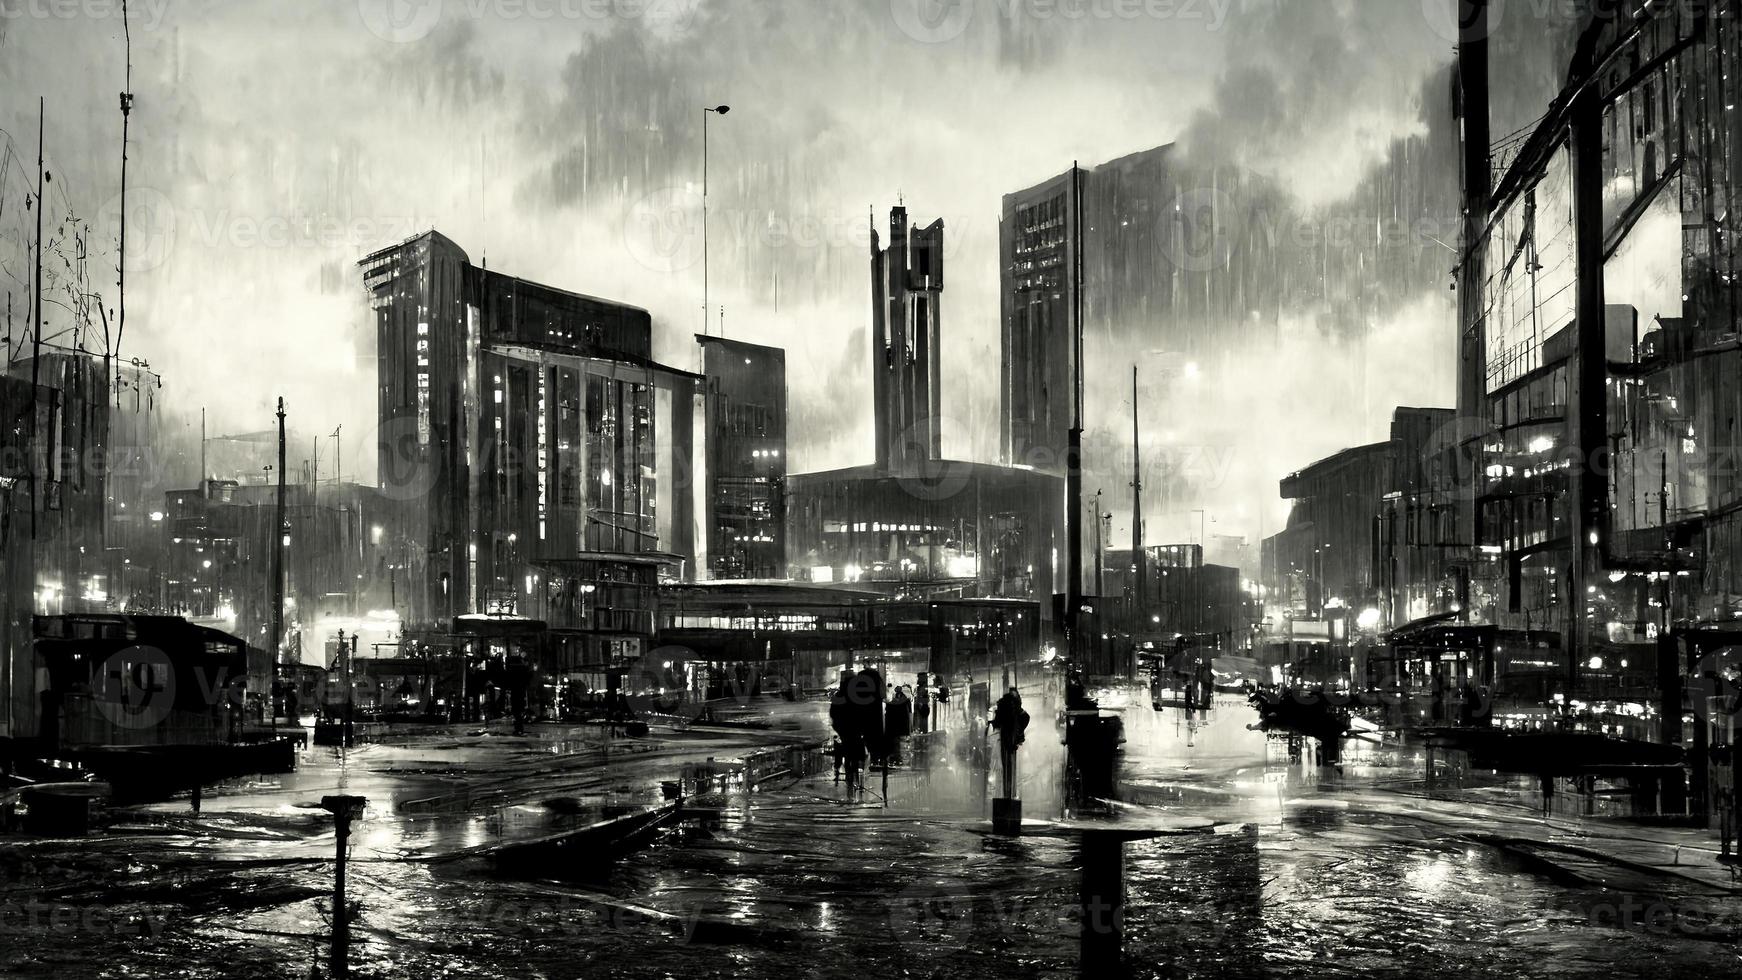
x: 745, y: 522
x: 112, y: 679
x: 913, y: 522
x: 1187, y: 598
x: 1150, y: 241
x: 1419, y: 568
x: 524, y: 428
x: 907, y: 283
x: 1324, y: 557
x: 945, y: 527
x: 1372, y: 528
x: 54, y: 434
x: 1037, y: 267
x: 340, y: 569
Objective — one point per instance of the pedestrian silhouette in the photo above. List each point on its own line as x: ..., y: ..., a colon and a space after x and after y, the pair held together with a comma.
x: 1011, y: 721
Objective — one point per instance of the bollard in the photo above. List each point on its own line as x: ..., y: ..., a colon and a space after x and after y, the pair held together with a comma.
x: 1007, y: 809
x: 1102, y: 901
x: 344, y: 810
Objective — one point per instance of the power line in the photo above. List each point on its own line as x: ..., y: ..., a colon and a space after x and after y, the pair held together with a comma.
x: 10, y: 155
x: 1520, y: 134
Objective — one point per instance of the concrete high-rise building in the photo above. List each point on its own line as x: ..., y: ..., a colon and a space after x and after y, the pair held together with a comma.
x: 907, y: 282
x: 1599, y: 379
x: 1037, y: 263
x: 746, y: 445
x: 527, y: 440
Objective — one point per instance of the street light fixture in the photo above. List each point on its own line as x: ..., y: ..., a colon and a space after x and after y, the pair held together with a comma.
x: 718, y: 110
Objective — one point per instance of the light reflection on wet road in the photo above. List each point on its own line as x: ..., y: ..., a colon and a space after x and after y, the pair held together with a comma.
x: 1274, y: 873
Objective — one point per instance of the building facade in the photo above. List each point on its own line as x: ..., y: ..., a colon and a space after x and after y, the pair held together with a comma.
x: 1600, y: 288
x: 521, y: 427
x: 913, y: 522
x: 54, y: 435
x: 746, y: 448
x: 946, y: 526
x: 1184, y: 597
x: 1037, y: 267
x: 1602, y: 281
x: 1324, y: 557
x: 907, y: 284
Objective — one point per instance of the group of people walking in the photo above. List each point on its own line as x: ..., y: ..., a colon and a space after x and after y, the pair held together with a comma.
x: 872, y: 722
x: 872, y: 725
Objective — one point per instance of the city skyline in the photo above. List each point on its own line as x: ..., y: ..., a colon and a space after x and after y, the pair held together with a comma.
x: 582, y: 208
x: 1028, y: 488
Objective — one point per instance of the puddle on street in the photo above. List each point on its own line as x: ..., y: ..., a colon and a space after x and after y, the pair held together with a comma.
x: 1275, y: 872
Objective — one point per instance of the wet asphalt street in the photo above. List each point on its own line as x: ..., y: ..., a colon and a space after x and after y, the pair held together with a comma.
x: 1260, y: 869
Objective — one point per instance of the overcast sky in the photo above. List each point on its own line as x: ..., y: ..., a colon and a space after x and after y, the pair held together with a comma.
x: 273, y: 143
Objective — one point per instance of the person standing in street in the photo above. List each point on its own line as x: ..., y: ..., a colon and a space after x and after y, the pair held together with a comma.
x: 898, y: 722
x: 1011, y: 721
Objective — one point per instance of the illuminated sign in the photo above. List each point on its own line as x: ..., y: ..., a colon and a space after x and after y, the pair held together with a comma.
x: 423, y: 384
x: 543, y: 456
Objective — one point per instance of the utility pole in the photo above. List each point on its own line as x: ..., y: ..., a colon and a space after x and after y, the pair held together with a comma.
x: 1140, y: 581
x: 1588, y: 406
x: 36, y: 333
x: 1477, y: 175
x: 1100, y: 551
x: 278, y: 566
x: 719, y: 110
x: 121, y: 259
x: 349, y: 654
x: 705, y: 222
x: 1074, y: 443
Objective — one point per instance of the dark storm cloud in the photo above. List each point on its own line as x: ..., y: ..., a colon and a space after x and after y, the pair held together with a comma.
x: 563, y: 141
x: 1316, y: 93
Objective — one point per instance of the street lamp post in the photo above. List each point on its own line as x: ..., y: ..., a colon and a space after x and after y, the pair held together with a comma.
x: 344, y: 809
x: 717, y: 110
